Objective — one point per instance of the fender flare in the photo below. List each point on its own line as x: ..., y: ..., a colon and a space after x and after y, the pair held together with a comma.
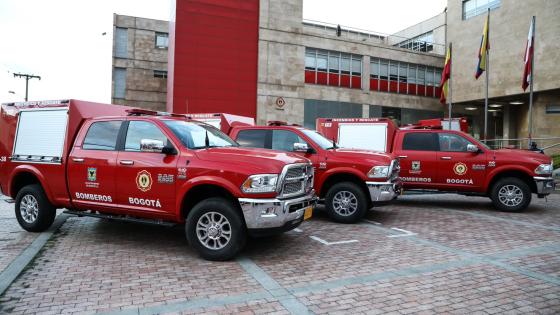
x: 184, y: 189
x: 27, y: 168
x: 338, y: 171
x: 505, y: 168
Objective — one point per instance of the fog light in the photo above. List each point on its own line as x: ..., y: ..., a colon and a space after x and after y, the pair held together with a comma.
x: 270, y: 211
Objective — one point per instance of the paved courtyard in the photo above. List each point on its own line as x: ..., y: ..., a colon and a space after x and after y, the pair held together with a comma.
x: 419, y: 255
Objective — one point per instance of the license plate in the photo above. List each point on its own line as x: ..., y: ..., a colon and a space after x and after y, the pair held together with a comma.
x: 308, y: 213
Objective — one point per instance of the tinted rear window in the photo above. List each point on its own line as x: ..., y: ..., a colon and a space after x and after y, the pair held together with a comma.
x: 252, y: 138
x: 421, y: 141
x: 102, y: 136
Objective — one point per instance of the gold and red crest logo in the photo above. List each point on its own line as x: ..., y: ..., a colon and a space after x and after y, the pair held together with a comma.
x: 144, y: 180
x: 460, y: 168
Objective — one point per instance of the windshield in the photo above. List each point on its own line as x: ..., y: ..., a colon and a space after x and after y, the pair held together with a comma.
x: 193, y: 135
x: 321, y: 141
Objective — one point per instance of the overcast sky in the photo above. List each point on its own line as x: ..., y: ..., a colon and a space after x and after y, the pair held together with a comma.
x: 62, y: 41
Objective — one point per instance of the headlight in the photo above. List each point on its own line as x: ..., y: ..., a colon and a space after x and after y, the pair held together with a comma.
x: 544, y: 169
x: 262, y: 183
x: 378, y: 172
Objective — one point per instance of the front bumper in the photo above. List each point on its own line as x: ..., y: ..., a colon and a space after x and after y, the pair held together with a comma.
x: 384, y: 191
x: 276, y: 214
x: 545, y: 185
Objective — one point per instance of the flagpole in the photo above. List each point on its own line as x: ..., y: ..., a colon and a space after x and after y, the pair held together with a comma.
x: 487, y: 70
x: 531, y: 84
x: 449, y: 83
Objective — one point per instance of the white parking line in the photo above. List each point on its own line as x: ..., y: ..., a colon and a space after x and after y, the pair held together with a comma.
x: 406, y: 233
x: 298, y: 230
x: 372, y: 222
x: 322, y: 241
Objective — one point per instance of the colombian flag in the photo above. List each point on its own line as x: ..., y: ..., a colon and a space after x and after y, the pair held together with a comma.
x: 483, y: 52
x: 445, y: 75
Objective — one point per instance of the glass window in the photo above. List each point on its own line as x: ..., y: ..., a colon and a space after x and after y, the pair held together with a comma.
x: 345, y: 64
x: 319, y: 140
x: 553, y: 109
x: 473, y: 8
x: 322, y: 62
x: 384, y: 70
x: 252, y: 138
x: 102, y: 136
x: 162, y: 40
x: 420, y: 141
x: 193, y: 135
x: 283, y: 140
x: 310, y: 60
x: 421, y: 75
x: 430, y: 76
x: 374, y: 65
x: 402, y: 72
x: 437, y: 77
x: 356, y: 66
x: 119, y: 83
x: 138, y: 130
x: 160, y: 74
x: 334, y: 63
x: 412, y: 74
x: 121, y: 42
x: 393, y: 71
x: 450, y: 142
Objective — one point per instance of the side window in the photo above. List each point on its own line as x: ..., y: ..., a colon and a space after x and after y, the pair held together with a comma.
x: 252, y: 138
x: 283, y: 140
x: 138, y: 130
x: 102, y: 136
x: 421, y: 141
x: 450, y: 142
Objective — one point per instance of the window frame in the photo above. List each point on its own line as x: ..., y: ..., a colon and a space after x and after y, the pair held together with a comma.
x: 117, y: 138
x: 159, y: 35
x: 267, y: 137
x: 127, y: 128
x: 435, y: 138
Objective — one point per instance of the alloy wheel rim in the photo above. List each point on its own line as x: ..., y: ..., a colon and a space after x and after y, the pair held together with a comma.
x: 213, y: 230
x: 29, y: 208
x: 345, y: 203
x: 510, y: 195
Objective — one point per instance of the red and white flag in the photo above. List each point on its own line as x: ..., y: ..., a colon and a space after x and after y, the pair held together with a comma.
x: 527, y: 73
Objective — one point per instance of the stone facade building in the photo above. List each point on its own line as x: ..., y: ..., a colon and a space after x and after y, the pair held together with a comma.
x: 139, y: 62
x: 308, y: 69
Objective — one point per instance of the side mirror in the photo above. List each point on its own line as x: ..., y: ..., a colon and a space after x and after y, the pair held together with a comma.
x: 151, y: 145
x: 301, y: 147
x: 472, y: 148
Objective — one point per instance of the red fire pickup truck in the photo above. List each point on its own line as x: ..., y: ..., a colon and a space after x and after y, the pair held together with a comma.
x: 129, y: 164
x: 350, y: 181
x: 433, y: 159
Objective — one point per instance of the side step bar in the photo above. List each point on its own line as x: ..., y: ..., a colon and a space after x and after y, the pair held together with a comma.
x: 120, y: 218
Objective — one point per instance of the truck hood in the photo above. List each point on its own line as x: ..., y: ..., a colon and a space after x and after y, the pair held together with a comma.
x: 526, y: 155
x: 357, y: 155
x: 258, y: 160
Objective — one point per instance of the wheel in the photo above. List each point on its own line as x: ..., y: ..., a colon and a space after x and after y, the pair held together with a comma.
x: 34, y: 212
x: 215, y: 229
x: 346, y: 202
x: 511, y: 194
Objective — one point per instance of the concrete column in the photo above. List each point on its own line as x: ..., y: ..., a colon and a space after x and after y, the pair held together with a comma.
x: 506, y: 122
x: 365, y: 110
x: 365, y: 73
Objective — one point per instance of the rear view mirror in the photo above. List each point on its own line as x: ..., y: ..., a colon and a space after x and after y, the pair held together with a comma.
x: 151, y: 145
x: 301, y: 147
x: 472, y: 148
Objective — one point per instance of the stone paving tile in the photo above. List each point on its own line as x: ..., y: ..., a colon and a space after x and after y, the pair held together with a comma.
x: 251, y: 307
x: 93, y: 265
x: 477, y: 234
x: 295, y: 259
x: 479, y: 288
x: 548, y: 263
x: 13, y: 239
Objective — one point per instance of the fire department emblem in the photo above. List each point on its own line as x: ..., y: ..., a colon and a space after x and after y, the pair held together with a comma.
x: 144, y: 180
x: 92, y: 174
x: 415, y: 165
x: 460, y: 168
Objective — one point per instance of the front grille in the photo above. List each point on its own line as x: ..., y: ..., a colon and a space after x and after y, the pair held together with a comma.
x: 297, y: 179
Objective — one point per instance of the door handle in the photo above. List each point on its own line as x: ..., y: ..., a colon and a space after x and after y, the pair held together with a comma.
x: 78, y: 160
x: 127, y: 162
x: 446, y: 158
x: 403, y: 156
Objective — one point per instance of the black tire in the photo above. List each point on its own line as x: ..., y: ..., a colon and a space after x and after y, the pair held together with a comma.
x: 28, y: 198
x: 225, y: 209
x: 346, y: 190
x: 511, y: 184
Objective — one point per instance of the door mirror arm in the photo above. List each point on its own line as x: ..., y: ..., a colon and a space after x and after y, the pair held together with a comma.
x: 169, y: 150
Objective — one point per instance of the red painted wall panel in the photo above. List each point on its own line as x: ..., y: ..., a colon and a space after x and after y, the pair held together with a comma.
x: 373, y: 84
x: 412, y: 89
x: 345, y: 80
x: 213, y: 56
x: 322, y: 78
x: 356, y: 82
x: 309, y: 76
x: 333, y: 79
x: 384, y: 85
